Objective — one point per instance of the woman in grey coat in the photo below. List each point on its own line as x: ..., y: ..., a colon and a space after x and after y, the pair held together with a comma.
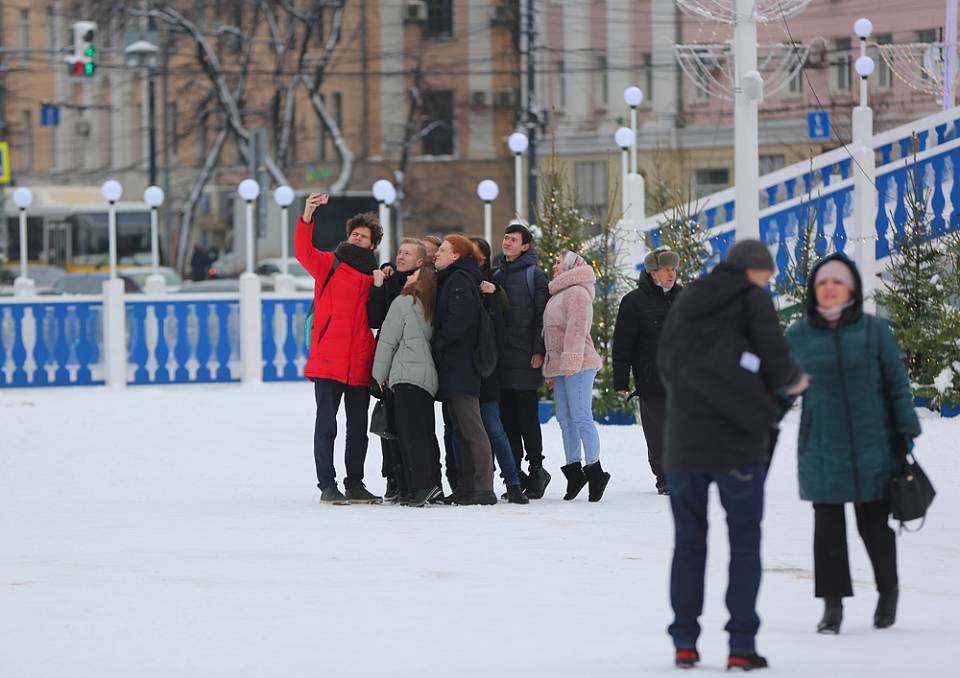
x: 404, y: 363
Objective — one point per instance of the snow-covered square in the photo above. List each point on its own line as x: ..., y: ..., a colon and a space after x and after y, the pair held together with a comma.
x: 176, y: 532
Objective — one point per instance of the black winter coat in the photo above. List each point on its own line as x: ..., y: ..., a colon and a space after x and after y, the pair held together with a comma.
x: 697, y: 436
x: 456, y: 326
x: 381, y: 297
x: 524, y: 321
x: 639, y: 323
x: 496, y: 305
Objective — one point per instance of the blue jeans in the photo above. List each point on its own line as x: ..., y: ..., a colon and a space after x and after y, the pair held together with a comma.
x: 741, y: 493
x: 490, y: 413
x: 574, y: 400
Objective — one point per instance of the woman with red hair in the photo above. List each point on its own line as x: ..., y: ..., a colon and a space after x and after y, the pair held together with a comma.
x: 457, y: 324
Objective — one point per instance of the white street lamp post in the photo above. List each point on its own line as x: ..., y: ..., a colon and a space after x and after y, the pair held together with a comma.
x: 385, y: 194
x: 950, y: 30
x: 487, y: 191
x: 633, y: 96
x: 749, y: 92
x: 251, y: 322
x: 112, y: 191
x: 155, y: 283
x: 862, y: 114
x: 283, y: 196
x: 518, y: 144
x: 23, y: 286
x: 114, y: 317
x: 625, y: 139
x: 249, y: 190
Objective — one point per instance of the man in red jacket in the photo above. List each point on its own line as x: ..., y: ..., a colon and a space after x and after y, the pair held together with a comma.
x: 341, y: 345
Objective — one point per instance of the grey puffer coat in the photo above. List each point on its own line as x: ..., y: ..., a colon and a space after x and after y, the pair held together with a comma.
x: 403, y: 351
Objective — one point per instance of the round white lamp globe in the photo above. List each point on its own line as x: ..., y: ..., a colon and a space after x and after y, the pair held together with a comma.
x: 22, y: 197
x: 624, y: 137
x: 249, y: 190
x: 488, y: 190
x: 111, y: 190
x: 153, y: 196
x: 283, y: 196
x: 382, y: 190
x: 863, y: 27
x: 633, y: 96
x: 864, y: 66
x: 518, y: 142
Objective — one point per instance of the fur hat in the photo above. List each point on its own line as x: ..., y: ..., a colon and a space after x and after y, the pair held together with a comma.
x: 662, y: 257
x: 750, y: 253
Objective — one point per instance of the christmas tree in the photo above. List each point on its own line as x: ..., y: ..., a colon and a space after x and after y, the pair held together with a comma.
x: 791, y: 287
x: 682, y: 232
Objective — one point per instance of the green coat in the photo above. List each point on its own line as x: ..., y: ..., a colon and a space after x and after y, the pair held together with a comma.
x: 403, y: 350
x: 857, y: 406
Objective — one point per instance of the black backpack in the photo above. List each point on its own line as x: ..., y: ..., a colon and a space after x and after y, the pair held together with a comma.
x: 485, y: 352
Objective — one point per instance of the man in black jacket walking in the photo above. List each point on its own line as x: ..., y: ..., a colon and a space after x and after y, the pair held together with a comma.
x: 635, y: 336
x: 722, y: 356
x: 521, y: 374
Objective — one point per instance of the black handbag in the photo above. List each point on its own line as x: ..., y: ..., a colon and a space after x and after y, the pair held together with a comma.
x: 911, y: 492
x: 380, y: 422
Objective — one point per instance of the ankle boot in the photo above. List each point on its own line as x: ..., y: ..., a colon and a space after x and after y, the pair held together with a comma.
x: 832, y: 616
x: 537, y: 482
x: 598, y: 479
x: 575, y: 479
x: 886, y: 613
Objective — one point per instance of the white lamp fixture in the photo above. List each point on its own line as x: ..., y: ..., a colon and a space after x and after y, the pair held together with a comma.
x: 384, y: 191
x: 155, y: 283
x: 283, y: 196
x: 249, y: 190
x: 518, y: 142
x: 111, y: 190
x: 633, y: 96
x: 153, y: 196
x: 22, y: 197
x: 863, y: 27
x: 23, y: 286
x: 385, y: 194
x: 624, y: 138
x: 864, y: 66
x: 488, y: 190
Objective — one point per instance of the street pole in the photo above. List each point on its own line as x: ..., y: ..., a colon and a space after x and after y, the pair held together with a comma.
x: 152, y: 126
x: 487, y: 221
x: 531, y: 115
x: 746, y: 142
x: 950, y: 36
x: 112, y: 237
x: 633, y: 146
x: 249, y: 235
x: 518, y: 185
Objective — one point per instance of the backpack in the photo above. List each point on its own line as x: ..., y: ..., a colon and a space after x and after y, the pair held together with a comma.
x: 485, y: 352
x: 308, y: 324
x: 531, y: 271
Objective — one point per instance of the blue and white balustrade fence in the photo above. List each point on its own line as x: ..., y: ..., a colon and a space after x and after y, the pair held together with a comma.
x: 179, y: 339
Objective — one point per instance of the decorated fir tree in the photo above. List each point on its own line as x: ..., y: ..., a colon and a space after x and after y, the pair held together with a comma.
x: 791, y: 287
x: 682, y: 232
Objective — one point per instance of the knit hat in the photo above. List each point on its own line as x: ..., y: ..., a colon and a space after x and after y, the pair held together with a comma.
x: 572, y: 260
x: 750, y: 253
x: 662, y: 257
x: 836, y: 270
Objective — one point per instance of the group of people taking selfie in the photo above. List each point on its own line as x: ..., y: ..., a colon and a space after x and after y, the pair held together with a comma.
x: 711, y: 367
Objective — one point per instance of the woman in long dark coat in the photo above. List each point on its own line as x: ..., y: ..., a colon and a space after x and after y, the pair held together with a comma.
x: 857, y: 418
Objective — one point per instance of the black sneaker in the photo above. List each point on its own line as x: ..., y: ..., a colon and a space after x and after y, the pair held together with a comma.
x: 514, y: 495
x: 476, y: 499
x: 420, y: 497
x: 746, y: 662
x: 392, y: 493
x: 358, y: 494
x: 686, y: 659
x: 333, y: 495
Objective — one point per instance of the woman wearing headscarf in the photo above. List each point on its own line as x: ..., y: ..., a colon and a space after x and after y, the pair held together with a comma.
x: 857, y: 418
x: 571, y: 364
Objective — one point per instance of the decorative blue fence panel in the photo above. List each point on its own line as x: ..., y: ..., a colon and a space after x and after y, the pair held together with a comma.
x: 51, y: 343
x: 183, y: 341
x: 284, y: 346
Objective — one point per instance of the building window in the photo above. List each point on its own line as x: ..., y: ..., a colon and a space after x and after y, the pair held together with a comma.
x: 604, y: 73
x: 884, y: 77
x: 106, y: 124
x: 707, y: 181
x: 438, y: 122
x: 701, y: 85
x: 27, y: 158
x: 843, y: 65
x: 929, y: 56
x: 53, y: 36
x: 25, y: 33
x: 772, y: 163
x: 795, y: 83
x: 591, y: 183
x: 646, y: 75
x: 561, y: 85
x: 439, y: 18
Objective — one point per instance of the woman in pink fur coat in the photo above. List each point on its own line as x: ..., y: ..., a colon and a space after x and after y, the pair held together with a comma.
x: 571, y: 365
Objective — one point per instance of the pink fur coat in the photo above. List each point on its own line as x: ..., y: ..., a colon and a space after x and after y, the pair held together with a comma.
x: 566, y: 324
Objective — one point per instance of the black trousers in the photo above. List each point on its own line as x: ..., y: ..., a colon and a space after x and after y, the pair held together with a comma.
x: 653, y: 412
x: 328, y: 394
x: 392, y: 466
x: 831, y: 564
x: 520, y: 416
x: 418, y: 445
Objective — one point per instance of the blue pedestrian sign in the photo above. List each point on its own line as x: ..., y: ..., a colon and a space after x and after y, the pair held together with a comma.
x: 49, y: 115
x: 818, y: 125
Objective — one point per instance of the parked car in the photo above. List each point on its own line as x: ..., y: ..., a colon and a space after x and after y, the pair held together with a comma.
x: 268, y: 269
x: 90, y: 283
x: 6, y: 282
x: 219, y: 285
x: 171, y: 279
x: 44, y: 276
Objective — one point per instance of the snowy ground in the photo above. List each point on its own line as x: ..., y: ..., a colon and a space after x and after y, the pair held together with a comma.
x: 176, y: 532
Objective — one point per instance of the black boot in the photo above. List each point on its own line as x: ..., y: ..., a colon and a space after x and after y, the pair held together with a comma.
x: 886, y: 613
x: 479, y: 498
x: 332, y: 495
x: 747, y: 662
x: 575, y: 479
x: 662, y: 486
x: 358, y: 494
x: 686, y: 659
x: 598, y: 479
x: 392, y: 494
x: 832, y: 616
x: 537, y: 482
x: 420, y: 497
x: 514, y: 495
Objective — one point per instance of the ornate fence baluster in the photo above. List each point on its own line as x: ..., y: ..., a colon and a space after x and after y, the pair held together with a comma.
x: 61, y: 349
x: 223, y: 341
x: 845, y: 169
x: 139, y: 354
x: 885, y: 152
x: 290, y: 351
x: 791, y: 186
x: 84, y: 347
x: 269, y: 344
x: 839, y: 231
x: 900, y: 213
x: 19, y: 352
x: 939, y: 200
x: 204, y: 349
x: 40, y: 345
x: 182, y: 351
x: 882, y: 222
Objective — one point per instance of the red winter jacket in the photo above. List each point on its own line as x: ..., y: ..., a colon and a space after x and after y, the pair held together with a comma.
x: 341, y: 344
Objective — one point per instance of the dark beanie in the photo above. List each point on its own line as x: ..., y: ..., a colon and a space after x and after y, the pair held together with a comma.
x: 750, y: 254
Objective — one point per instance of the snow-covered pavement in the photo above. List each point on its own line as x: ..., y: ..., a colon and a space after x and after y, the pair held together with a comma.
x: 176, y: 532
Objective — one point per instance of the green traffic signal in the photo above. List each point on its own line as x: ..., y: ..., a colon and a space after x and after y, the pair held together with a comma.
x: 90, y: 51
x: 88, y: 69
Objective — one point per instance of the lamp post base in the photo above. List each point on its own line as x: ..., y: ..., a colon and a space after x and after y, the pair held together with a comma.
x: 284, y: 284
x: 155, y: 284
x: 24, y: 287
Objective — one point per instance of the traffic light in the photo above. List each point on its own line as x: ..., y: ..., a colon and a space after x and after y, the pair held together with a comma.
x: 83, y: 61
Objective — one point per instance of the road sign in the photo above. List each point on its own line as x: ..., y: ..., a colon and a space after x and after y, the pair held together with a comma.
x: 49, y: 115
x: 4, y: 162
x: 818, y: 125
